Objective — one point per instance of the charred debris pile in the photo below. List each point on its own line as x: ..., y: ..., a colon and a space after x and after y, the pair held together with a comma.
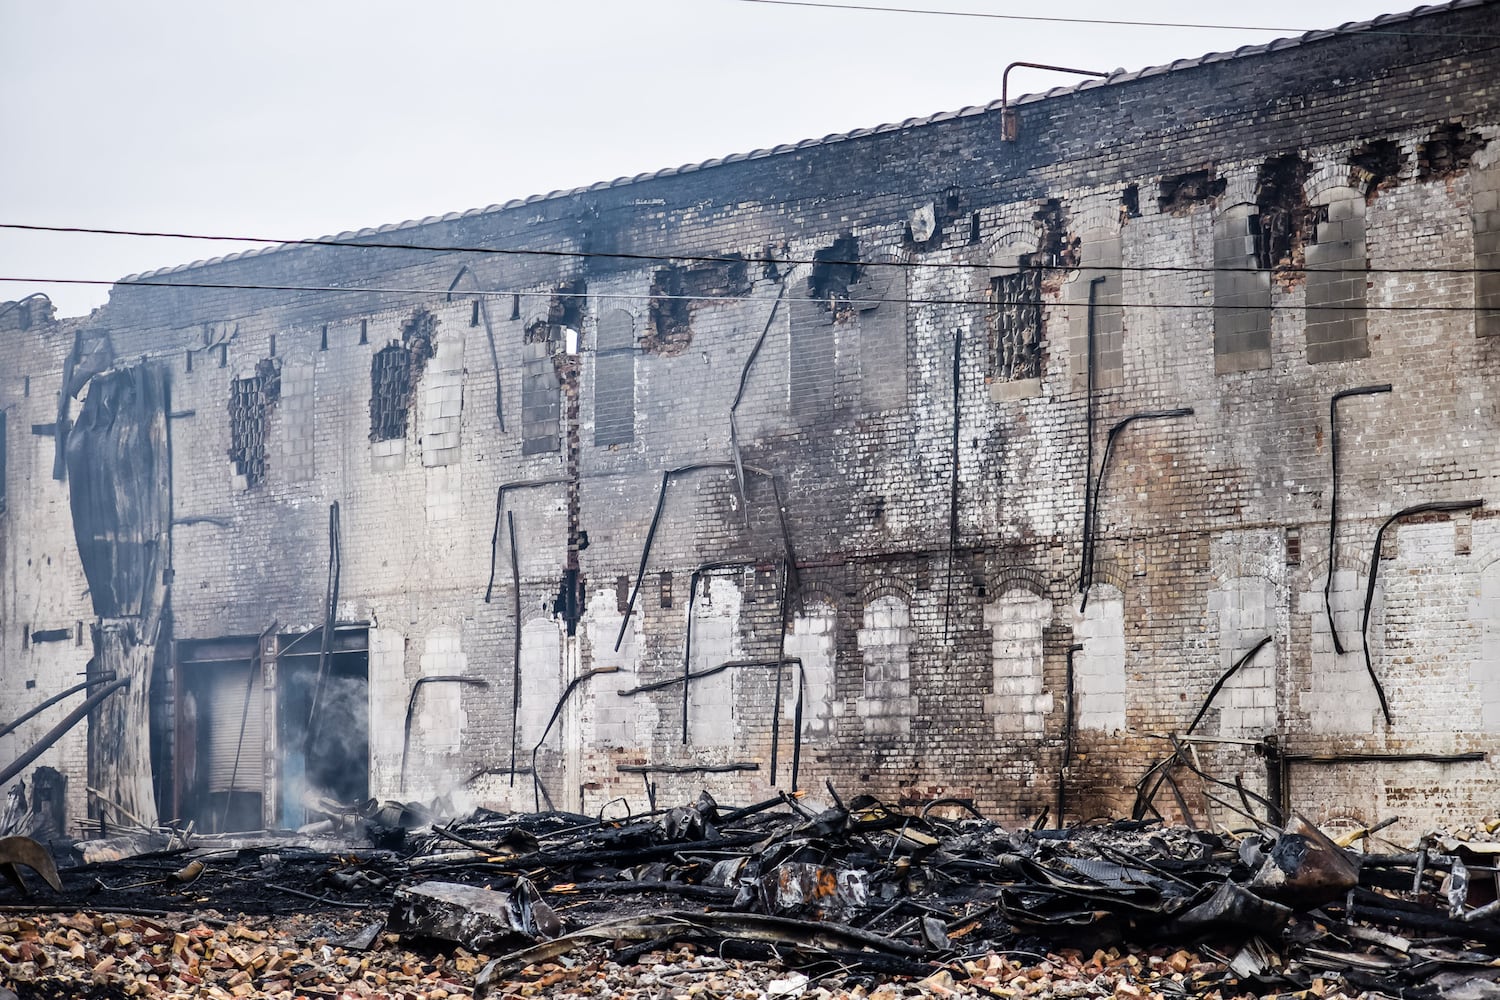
x: 859, y: 887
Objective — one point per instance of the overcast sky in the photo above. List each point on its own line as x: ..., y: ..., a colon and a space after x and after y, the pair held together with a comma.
x: 302, y: 118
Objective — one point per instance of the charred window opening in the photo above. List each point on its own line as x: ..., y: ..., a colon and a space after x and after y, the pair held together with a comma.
x: 395, y: 371
x: 1286, y: 220
x: 1183, y: 192
x: 1055, y: 248
x: 834, y: 269
x: 1018, y: 324
x: 1449, y: 150
x: 1130, y: 202
x: 678, y: 292
x: 1242, y: 293
x: 1336, y: 279
x: 250, y: 403
x: 1376, y: 165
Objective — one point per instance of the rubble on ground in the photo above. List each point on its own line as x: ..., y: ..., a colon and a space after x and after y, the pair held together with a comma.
x: 778, y: 899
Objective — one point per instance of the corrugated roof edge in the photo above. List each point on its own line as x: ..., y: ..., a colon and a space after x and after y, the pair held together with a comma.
x: 1275, y: 45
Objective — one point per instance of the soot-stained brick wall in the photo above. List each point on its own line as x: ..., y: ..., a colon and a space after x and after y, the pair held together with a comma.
x: 905, y: 513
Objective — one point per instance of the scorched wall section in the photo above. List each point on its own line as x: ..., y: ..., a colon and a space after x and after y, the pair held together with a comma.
x: 806, y: 427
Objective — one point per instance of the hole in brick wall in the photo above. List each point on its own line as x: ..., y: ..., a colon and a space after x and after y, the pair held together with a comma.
x: 323, y: 340
x: 364, y: 331
x: 664, y: 583
x: 1055, y: 248
x: 1183, y: 192
x: 1286, y: 220
x: 1447, y: 151
x: 1375, y: 165
x: 974, y: 228
x: 678, y: 292
x: 474, y: 314
x: 833, y: 271
x: 1130, y: 202
x: 622, y: 594
x: 1293, y: 547
x: 395, y: 371
x: 250, y: 403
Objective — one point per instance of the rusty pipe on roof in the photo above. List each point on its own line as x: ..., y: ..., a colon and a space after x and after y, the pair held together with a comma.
x: 1010, y: 120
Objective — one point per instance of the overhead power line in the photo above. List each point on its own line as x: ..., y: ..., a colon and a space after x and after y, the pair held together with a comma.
x: 363, y: 244
x: 1109, y: 22
x: 637, y: 296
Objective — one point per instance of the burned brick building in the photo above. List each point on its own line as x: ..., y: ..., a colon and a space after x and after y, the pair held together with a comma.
x: 923, y: 458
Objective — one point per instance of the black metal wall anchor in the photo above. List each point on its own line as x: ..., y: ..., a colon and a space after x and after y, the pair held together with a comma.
x: 411, y: 704
x: 1091, y: 527
x: 573, y: 685
x: 1333, y: 497
x: 661, y: 503
x: 1218, y: 684
x: 958, y: 344
x: 1086, y: 558
x: 1364, y: 622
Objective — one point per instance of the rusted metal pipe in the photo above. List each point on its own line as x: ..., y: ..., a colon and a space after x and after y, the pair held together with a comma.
x: 1010, y: 119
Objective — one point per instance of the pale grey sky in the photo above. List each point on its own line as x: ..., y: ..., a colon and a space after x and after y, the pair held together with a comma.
x: 301, y: 118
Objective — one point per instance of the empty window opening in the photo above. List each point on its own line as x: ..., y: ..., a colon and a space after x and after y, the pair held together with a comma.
x: 1286, y: 219
x: 1375, y: 166
x: 614, y: 379
x: 1130, y: 202
x: 677, y: 293
x: 1448, y: 151
x: 1242, y: 293
x: 835, y: 268
x: 1185, y: 191
x: 1336, y: 279
x: 250, y: 403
